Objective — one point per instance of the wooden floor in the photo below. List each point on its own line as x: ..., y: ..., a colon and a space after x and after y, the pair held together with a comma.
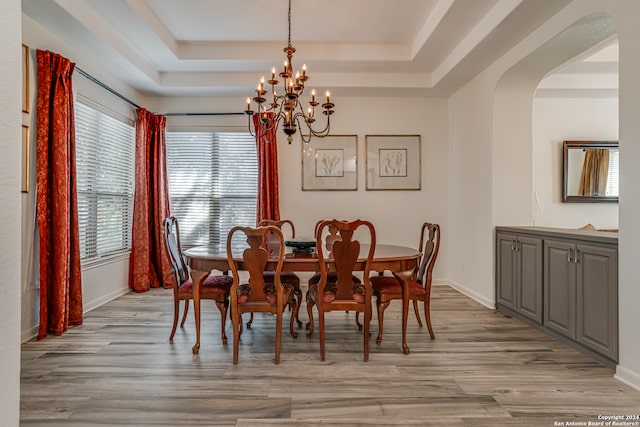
x: 483, y: 369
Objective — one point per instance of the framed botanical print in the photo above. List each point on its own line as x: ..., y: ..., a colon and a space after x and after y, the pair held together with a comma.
x: 330, y: 163
x: 393, y: 162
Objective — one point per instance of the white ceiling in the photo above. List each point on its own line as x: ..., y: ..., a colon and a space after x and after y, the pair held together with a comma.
x: 351, y: 47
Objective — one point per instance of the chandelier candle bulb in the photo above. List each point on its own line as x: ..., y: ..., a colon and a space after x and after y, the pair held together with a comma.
x: 327, y: 97
x: 304, y: 69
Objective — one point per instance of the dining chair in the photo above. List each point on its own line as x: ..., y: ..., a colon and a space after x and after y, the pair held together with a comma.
x: 255, y: 295
x: 212, y: 287
x: 345, y: 293
x: 330, y: 236
x: 389, y: 288
x: 273, y: 246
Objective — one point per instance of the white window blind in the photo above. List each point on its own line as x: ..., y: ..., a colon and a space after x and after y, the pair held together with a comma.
x: 213, y: 184
x: 612, y: 176
x: 105, y: 153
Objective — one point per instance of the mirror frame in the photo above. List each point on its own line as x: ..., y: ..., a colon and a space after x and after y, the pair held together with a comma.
x: 565, y: 156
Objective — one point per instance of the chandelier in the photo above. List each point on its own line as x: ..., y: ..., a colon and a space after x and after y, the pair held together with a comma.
x: 287, y: 107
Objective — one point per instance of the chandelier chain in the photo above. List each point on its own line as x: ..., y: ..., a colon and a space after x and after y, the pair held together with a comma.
x: 289, y: 38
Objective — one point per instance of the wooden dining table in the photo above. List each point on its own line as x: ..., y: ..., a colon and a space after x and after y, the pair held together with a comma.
x: 400, y: 260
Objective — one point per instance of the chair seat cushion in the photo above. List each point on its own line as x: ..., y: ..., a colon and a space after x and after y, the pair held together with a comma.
x: 214, y: 287
x: 389, y: 285
x: 358, y: 292
x: 332, y: 276
x: 286, y: 277
x: 244, y: 291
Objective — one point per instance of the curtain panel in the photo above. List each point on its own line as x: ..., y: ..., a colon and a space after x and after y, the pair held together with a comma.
x: 149, y: 265
x: 593, y: 181
x: 268, y: 200
x: 56, y: 197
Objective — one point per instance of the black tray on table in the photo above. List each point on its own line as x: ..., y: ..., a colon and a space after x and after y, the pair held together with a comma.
x: 301, y: 246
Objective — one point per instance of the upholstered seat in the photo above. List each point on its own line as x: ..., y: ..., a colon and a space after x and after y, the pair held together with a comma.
x: 389, y: 288
x: 212, y: 287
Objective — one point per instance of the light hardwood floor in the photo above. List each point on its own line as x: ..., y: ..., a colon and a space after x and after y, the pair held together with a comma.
x: 483, y: 369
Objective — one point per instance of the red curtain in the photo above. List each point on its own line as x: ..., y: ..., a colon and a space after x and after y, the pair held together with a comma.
x: 149, y: 265
x: 56, y: 200
x: 268, y: 200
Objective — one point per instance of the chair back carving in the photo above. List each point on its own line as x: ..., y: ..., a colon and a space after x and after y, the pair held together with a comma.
x: 272, y: 240
x: 257, y: 260
x: 430, y: 253
x: 344, y: 251
x: 171, y: 232
x: 330, y: 237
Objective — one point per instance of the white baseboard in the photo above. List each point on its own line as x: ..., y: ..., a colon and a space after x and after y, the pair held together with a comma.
x: 627, y: 376
x: 470, y: 293
x: 31, y: 333
x: 88, y: 306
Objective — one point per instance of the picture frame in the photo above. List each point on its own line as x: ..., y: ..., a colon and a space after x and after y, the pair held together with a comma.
x: 25, y: 79
x: 330, y: 163
x: 25, y: 158
x: 393, y: 162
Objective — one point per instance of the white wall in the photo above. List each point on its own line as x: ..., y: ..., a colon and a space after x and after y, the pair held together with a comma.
x: 472, y: 106
x: 10, y: 172
x: 100, y: 282
x: 554, y: 121
x: 397, y: 215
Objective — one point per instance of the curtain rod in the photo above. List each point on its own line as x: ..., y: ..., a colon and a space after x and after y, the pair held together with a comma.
x: 107, y: 88
x: 130, y: 102
x: 203, y: 114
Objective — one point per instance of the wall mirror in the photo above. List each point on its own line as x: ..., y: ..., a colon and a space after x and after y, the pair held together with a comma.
x: 590, y: 171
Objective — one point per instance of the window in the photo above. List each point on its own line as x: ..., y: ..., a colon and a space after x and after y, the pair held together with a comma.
x: 105, y: 153
x: 612, y: 176
x: 213, y: 184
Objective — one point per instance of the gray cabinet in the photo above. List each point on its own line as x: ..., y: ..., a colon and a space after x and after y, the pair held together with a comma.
x: 566, y: 281
x: 597, y: 299
x: 560, y: 287
x: 519, y: 274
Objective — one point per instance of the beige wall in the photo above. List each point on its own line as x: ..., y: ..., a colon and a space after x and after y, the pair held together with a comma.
x: 10, y: 172
x: 554, y: 121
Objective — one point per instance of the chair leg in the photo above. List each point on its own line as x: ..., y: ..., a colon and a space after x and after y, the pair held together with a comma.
x: 176, y: 309
x: 278, y: 335
x: 427, y: 311
x: 250, y: 321
x: 310, y: 325
x: 222, y: 307
x: 381, y: 306
x: 237, y: 324
x: 297, y: 313
x: 358, y: 320
x: 367, y: 324
x: 415, y: 310
x: 184, y: 315
x: 293, y: 308
x: 321, y: 322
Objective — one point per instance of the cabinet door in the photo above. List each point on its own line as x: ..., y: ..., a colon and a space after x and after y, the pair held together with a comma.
x: 560, y: 287
x: 506, y: 270
x: 529, y: 278
x: 597, y: 299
